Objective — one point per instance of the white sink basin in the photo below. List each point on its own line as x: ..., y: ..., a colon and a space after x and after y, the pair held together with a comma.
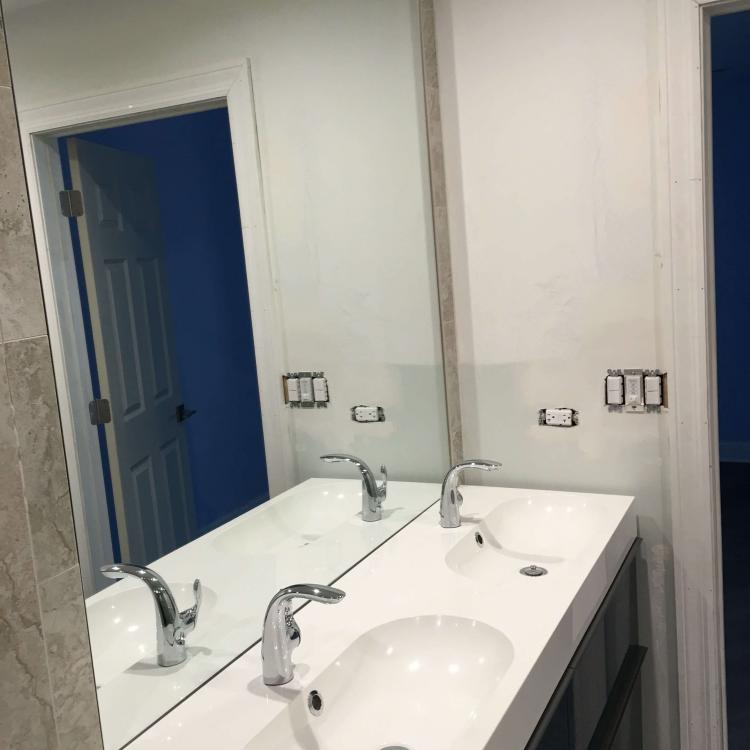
x: 413, y: 683
x: 303, y: 517
x: 122, y: 626
x: 544, y: 530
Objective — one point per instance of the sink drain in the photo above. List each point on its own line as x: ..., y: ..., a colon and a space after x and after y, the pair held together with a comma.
x: 479, y: 539
x: 534, y: 571
x: 394, y: 747
x: 315, y: 703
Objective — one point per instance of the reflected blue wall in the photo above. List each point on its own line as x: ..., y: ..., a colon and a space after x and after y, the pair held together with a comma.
x: 731, y: 163
x: 209, y: 300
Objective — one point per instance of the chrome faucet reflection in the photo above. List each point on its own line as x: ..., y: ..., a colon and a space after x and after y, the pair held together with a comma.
x: 281, y: 634
x: 450, y: 497
x: 171, y: 625
x: 373, y: 494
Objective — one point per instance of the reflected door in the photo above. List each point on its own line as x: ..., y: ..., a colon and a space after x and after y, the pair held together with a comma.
x: 122, y: 251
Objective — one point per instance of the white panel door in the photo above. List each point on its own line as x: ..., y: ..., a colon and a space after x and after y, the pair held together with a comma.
x: 123, y: 258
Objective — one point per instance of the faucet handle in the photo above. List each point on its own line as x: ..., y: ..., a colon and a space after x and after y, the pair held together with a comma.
x: 383, y: 486
x: 189, y: 616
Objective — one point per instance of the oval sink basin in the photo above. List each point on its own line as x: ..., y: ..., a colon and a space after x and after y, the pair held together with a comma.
x: 413, y: 683
x: 295, y: 519
x: 543, y: 531
x: 122, y: 626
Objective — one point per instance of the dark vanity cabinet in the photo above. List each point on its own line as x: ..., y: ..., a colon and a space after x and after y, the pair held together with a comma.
x: 596, y: 705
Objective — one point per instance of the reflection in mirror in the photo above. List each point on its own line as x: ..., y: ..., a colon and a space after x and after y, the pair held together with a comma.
x: 234, y: 227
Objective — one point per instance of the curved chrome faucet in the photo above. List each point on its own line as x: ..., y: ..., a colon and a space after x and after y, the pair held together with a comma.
x: 281, y: 634
x: 171, y: 625
x: 373, y: 494
x: 450, y: 497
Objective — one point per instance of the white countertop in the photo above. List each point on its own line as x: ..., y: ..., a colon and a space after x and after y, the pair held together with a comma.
x: 543, y: 618
x: 313, y: 530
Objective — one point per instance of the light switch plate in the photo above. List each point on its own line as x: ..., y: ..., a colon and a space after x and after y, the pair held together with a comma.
x: 635, y: 390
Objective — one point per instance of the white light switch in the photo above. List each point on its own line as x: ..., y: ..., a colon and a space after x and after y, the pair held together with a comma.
x: 292, y: 390
x: 320, y: 390
x: 615, y: 390
x: 653, y: 390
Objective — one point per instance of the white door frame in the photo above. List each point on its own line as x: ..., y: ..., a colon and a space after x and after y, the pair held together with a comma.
x: 40, y: 127
x: 688, y: 330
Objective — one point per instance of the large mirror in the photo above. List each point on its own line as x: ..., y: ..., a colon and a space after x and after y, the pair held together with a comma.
x: 235, y: 234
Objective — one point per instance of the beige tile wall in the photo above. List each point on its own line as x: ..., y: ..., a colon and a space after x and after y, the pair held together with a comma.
x: 47, y: 696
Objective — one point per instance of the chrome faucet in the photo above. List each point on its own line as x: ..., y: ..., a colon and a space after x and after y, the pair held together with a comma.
x: 450, y: 497
x: 373, y: 494
x: 171, y: 625
x: 281, y: 634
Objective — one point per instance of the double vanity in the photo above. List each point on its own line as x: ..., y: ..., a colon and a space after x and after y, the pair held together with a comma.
x: 440, y: 638
x: 316, y: 527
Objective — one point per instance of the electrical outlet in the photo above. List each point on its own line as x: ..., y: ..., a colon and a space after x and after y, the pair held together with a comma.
x: 368, y: 414
x: 558, y: 417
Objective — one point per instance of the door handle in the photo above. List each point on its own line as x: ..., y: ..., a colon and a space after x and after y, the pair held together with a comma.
x: 183, y: 413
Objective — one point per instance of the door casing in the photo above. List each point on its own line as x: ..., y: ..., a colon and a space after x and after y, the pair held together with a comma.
x: 686, y: 330
x: 230, y: 86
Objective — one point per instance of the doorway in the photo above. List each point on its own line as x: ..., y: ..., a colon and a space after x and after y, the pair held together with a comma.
x: 730, y: 116
x: 161, y: 273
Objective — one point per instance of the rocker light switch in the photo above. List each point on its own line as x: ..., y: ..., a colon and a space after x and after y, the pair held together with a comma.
x: 320, y: 390
x: 615, y: 390
x: 292, y: 390
x: 653, y: 390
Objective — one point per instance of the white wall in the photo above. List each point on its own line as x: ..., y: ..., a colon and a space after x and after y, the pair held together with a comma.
x: 549, y: 115
x: 341, y: 125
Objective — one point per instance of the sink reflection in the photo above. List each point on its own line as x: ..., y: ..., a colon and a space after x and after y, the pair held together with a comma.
x: 305, y: 515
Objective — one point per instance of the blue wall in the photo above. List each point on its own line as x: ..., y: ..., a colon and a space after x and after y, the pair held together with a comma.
x: 210, y: 307
x: 730, y: 40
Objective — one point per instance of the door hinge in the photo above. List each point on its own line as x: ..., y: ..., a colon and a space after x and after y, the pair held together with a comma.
x: 99, y: 411
x: 71, y: 203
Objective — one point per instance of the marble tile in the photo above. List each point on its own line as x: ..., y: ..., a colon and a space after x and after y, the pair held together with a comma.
x: 69, y: 659
x: 15, y: 550
x: 4, y: 71
x: 26, y: 718
x: 32, y: 391
x: 21, y: 307
x: 26, y: 715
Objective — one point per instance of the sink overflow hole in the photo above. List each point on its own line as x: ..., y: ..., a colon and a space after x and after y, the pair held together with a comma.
x: 534, y: 571
x: 479, y: 539
x: 315, y: 703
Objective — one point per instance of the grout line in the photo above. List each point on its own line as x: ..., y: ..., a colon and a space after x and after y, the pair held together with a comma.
x: 58, y: 574
x: 25, y: 338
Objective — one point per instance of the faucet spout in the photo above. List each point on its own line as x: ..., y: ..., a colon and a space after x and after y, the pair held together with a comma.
x: 171, y: 625
x: 281, y: 634
x: 450, y: 497
x: 373, y: 494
